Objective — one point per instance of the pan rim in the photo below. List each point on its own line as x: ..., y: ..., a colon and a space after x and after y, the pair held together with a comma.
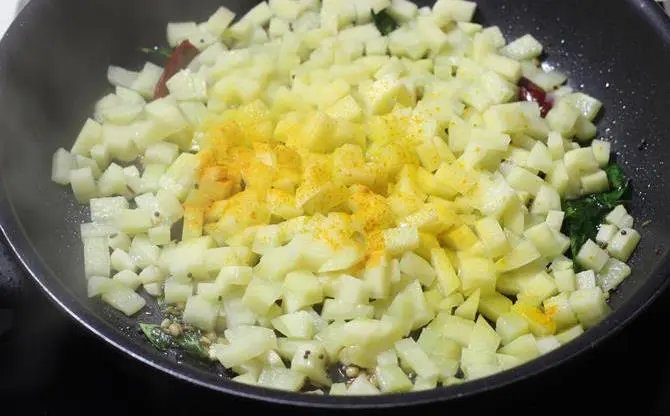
x: 58, y: 293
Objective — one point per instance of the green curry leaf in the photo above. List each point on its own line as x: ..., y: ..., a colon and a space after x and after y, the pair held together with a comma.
x: 384, y: 22
x: 583, y: 215
x: 164, y: 52
x: 157, y: 336
x: 188, y: 341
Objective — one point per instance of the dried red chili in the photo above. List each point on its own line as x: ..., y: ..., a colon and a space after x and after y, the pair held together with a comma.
x: 530, y: 91
x: 180, y: 58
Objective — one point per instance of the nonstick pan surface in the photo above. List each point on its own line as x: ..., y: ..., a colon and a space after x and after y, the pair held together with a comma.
x: 53, y: 62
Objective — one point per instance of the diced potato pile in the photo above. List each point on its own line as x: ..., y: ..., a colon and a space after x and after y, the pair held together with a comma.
x: 315, y: 192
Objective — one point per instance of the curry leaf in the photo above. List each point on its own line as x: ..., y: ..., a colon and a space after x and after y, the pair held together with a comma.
x: 616, y: 176
x: 165, y: 52
x: 384, y: 22
x: 156, y: 336
x: 584, y: 215
x: 188, y: 341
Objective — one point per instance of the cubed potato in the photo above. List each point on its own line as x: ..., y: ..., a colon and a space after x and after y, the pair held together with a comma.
x: 624, y: 242
x: 494, y: 305
x: 523, y: 347
x: 539, y: 323
x: 201, y: 313
x: 410, y: 352
x: 382, y: 95
x: 246, y: 342
x: 589, y: 306
x: 447, y: 279
x: 477, y: 273
x: 493, y: 236
x: 261, y: 294
x: 296, y: 325
x: 558, y: 307
x: 613, y: 274
x: 124, y: 299
x: 510, y: 326
x: 591, y: 256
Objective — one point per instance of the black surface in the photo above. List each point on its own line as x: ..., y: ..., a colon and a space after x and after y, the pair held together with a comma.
x: 617, y: 50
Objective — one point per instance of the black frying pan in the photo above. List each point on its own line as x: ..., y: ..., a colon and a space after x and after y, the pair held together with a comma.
x: 52, y: 69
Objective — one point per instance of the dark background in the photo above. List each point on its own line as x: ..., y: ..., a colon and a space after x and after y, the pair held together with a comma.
x: 50, y: 365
